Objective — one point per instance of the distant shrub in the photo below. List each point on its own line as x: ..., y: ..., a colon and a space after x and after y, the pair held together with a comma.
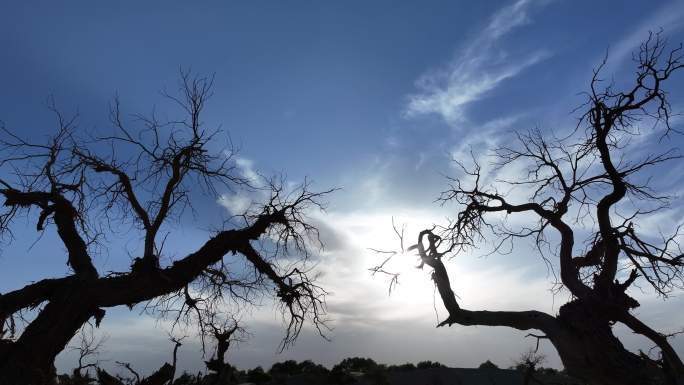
x: 287, y: 368
x: 488, y: 365
x: 258, y: 376
x: 429, y: 365
x: 338, y: 376
x: 356, y: 364
x: 282, y: 370
x: 377, y: 376
x: 402, y: 368
x: 309, y: 367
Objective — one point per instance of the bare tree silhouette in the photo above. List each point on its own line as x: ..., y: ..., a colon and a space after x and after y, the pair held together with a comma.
x: 528, y: 363
x: 224, y: 333
x: 142, y: 179
x: 577, y: 184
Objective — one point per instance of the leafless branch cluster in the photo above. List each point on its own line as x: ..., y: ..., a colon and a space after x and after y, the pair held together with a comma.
x: 289, y: 235
x: 144, y: 175
x: 89, y: 348
x: 583, y: 179
x: 387, y: 256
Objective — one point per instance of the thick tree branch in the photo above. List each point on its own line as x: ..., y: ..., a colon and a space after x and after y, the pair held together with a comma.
x: 65, y: 216
x: 669, y: 354
x: 522, y: 320
x: 31, y: 295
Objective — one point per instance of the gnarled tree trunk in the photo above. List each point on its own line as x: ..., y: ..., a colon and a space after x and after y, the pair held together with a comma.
x: 30, y: 359
x: 590, y: 351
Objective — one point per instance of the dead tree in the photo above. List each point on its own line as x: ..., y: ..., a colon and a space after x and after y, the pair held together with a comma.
x: 528, y: 364
x: 177, y: 343
x: 163, y: 375
x: 88, y: 351
x: 142, y: 178
x: 588, y: 179
x: 224, y: 334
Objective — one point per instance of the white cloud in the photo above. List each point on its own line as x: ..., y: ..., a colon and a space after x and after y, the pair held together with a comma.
x: 478, y: 69
x: 236, y: 204
x: 508, y: 18
x: 246, y: 167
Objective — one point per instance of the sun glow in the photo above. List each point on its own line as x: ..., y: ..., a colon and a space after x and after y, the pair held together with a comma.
x: 366, y: 240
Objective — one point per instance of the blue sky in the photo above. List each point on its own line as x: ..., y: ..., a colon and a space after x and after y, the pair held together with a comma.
x: 374, y: 97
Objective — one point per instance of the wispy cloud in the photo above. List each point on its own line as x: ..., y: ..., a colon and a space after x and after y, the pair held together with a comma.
x: 246, y: 167
x: 238, y: 202
x: 477, y: 69
x: 507, y: 18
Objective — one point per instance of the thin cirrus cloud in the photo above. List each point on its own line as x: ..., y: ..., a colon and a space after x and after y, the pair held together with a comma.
x: 478, y: 69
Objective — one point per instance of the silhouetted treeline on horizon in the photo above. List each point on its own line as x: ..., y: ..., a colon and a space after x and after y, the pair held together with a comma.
x: 353, y: 370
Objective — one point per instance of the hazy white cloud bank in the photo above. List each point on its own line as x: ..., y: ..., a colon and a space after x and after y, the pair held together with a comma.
x: 477, y: 69
x: 367, y: 320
